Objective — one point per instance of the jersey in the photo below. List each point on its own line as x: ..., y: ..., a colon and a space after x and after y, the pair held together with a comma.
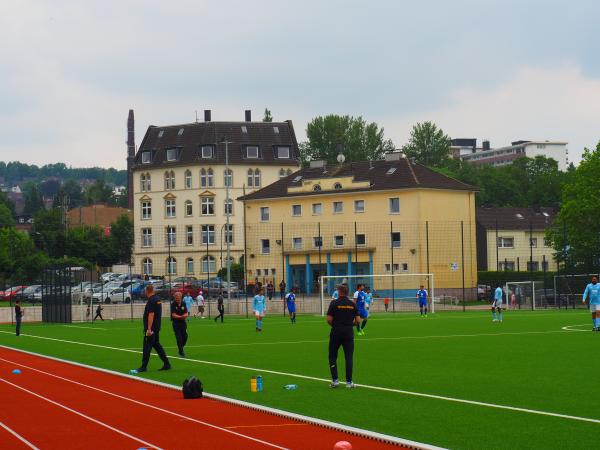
x: 290, y: 298
x: 592, y: 292
x: 200, y: 300
x: 368, y: 299
x: 189, y: 301
x: 344, y: 313
x: 179, y: 310
x: 153, y: 305
x: 335, y: 295
x: 498, y: 295
x: 359, y: 298
x: 259, y: 304
x: 422, y: 296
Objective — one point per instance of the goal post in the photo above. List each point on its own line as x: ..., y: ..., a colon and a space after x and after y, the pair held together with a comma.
x: 527, y: 295
x: 391, y: 292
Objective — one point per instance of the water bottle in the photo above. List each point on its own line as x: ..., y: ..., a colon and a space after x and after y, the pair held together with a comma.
x: 253, y: 384
x: 259, y: 385
x: 291, y: 387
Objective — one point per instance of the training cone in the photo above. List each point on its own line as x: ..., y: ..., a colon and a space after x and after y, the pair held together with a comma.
x: 16, y: 371
x: 342, y: 445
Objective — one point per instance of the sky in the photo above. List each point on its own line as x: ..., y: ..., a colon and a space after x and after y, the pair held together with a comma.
x: 496, y: 70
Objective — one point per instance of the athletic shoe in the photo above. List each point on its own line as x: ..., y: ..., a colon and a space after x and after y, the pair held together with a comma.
x: 334, y: 384
x: 359, y: 333
x: 166, y: 367
x: 362, y: 332
x: 182, y: 355
x: 425, y: 315
x: 141, y: 369
x: 350, y: 385
x: 495, y: 320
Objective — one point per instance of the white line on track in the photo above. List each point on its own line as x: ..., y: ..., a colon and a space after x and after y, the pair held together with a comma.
x: 366, y: 386
x: 19, y: 437
x: 137, y: 402
x: 91, y: 419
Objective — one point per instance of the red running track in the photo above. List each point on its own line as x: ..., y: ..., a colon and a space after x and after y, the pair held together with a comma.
x: 57, y: 405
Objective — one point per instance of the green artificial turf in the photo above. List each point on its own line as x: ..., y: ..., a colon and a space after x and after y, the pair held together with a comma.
x: 528, y: 361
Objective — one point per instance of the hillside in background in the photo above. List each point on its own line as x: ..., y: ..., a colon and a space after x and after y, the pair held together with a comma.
x: 16, y: 173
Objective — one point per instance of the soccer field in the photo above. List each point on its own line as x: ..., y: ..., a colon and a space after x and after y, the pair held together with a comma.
x: 454, y: 379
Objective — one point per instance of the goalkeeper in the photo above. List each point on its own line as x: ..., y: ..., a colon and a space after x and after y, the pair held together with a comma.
x: 592, y: 293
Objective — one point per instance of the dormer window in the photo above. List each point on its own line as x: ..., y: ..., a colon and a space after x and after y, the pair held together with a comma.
x: 146, y: 157
x: 390, y: 171
x: 337, y: 186
x: 283, y: 152
x: 180, y: 132
x: 276, y: 130
x: 252, y: 152
x: 207, y: 151
x: 244, y: 129
x: 317, y: 187
x: 172, y: 154
x: 160, y: 133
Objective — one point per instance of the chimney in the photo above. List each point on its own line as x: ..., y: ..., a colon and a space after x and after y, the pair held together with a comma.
x: 315, y: 163
x: 392, y: 156
x: 248, y: 115
x: 130, y: 157
x: 207, y: 115
x: 486, y: 145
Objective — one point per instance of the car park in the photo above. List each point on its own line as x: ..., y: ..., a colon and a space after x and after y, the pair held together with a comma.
x: 31, y: 294
x: 11, y: 293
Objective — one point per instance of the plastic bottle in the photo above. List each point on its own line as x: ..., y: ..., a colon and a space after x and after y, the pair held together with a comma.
x: 291, y: 387
x: 253, y: 387
x: 259, y: 385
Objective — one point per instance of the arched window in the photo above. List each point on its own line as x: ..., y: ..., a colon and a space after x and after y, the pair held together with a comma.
x: 210, y: 178
x: 147, y: 266
x: 256, y: 178
x: 228, y: 206
x: 188, y: 179
x: 317, y: 187
x: 282, y: 173
x: 171, y: 266
x: 189, y: 210
x: 250, y: 178
x: 169, y: 180
x: 189, y: 265
x: 228, y: 178
x: 143, y: 182
x: 203, y: 178
x: 209, y: 264
x: 148, y: 182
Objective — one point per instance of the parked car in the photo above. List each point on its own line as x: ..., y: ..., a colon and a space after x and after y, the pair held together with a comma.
x: 483, y: 292
x: 184, y: 279
x: 118, y: 295
x: 11, y: 293
x: 31, y: 294
x: 108, y: 276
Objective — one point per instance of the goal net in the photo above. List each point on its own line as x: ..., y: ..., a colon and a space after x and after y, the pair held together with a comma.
x: 391, y: 292
x: 527, y: 295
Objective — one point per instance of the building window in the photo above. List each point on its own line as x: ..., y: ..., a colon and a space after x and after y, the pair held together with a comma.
x: 256, y: 178
x: 258, y: 272
x: 317, y: 209
x: 146, y: 237
x: 189, y: 265
x: 208, y: 234
x: 188, y: 179
x: 228, y: 233
x: 533, y: 242
x: 203, y: 178
x: 189, y: 235
x: 143, y: 183
x: 361, y: 239
x: 207, y: 151
x: 282, y: 173
x: 533, y: 266
x: 276, y: 130
x: 146, y: 210
x: 228, y: 178
x: 359, y: 206
x: 337, y: 186
x: 506, y: 242
x: 338, y: 241
x: 338, y: 207
x: 208, y: 206
x: 297, y: 243
x: 289, y: 172
x: 395, y: 239
x: 545, y: 265
x: 171, y: 154
x: 171, y: 266
x: 251, y: 152
x: 507, y: 265
x: 147, y: 266
x: 171, y: 236
x: 170, y: 208
x: 146, y: 157
x: 189, y: 209
x: 547, y: 242
x: 317, y: 241
x: 228, y: 207
x: 388, y: 268
x: 210, y: 177
x: 265, y: 246
x: 296, y: 210
x: 394, y: 205
x: 283, y: 152
x: 264, y: 214
x: 404, y: 267
x: 169, y: 180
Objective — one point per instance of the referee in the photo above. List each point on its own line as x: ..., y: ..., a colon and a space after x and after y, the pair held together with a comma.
x: 179, y: 314
x: 342, y: 316
x: 152, y: 316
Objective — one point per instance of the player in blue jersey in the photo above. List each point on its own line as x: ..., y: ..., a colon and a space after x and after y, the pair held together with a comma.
x: 259, y: 305
x: 422, y: 298
x: 290, y: 300
x: 335, y: 294
x: 368, y: 298
x: 360, y: 302
x: 497, y: 304
x: 592, y: 294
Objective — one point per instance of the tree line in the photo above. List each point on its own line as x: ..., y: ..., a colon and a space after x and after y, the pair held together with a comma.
x: 15, y: 172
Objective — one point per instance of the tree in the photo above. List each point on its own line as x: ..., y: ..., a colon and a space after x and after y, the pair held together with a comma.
x: 356, y: 139
x: 121, y: 239
x: 99, y: 192
x: 428, y: 145
x: 19, y: 260
x: 268, y: 117
x: 72, y: 189
x: 237, y: 272
x: 49, y: 232
x: 4, y: 200
x: 33, y: 199
x: 6, y: 218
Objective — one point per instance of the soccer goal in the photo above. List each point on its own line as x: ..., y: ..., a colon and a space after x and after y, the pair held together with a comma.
x: 391, y: 292
x: 527, y: 295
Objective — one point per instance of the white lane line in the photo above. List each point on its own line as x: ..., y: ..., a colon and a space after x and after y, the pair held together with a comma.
x: 570, y: 328
x: 137, y: 402
x: 366, y: 386
x: 86, y: 328
x: 18, y: 436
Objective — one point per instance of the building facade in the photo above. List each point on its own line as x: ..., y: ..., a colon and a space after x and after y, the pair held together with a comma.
x: 379, y: 217
x: 180, y: 178
x: 513, y: 239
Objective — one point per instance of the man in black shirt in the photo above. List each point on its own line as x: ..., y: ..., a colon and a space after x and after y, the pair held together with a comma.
x: 99, y: 312
x: 18, y: 316
x: 342, y: 316
x: 152, y: 316
x: 220, y: 307
x: 179, y: 315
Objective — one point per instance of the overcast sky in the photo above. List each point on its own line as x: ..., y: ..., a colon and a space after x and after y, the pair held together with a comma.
x: 498, y: 70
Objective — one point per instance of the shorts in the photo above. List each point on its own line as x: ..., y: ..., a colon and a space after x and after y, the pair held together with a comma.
x: 291, y: 307
x: 422, y: 302
x: 363, y: 313
x: 497, y: 304
x: 259, y: 313
x: 594, y: 307
x: 200, y: 309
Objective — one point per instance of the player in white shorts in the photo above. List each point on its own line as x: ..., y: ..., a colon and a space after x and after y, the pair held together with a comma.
x: 592, y: 293
x: 497, y: 304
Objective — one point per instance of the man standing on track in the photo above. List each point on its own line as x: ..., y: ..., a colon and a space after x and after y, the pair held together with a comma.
x: 497, y: 304
x: 360, y: 301
x: 18, y: 316
x: 152, y: 317
x: 592, y: 293
x: 342, y: 315
x: 179, y: 314
x: 422, y: 298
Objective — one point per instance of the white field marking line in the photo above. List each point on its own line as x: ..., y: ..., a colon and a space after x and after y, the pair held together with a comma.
x: 60, y: 405
x: 137, y: 402
x: 86, y: 328
x: 265, y: 409
x: 570, y: 327
x: 271, y: 425
x: 18, y: 436
x: 376, y: 388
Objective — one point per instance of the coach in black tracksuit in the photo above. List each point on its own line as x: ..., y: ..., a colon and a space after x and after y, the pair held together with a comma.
x: 179, y: 315
x: 342, y: 316
x: 152, y: 316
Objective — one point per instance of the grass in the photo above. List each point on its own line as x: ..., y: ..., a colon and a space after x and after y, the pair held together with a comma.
x: 527, y: 361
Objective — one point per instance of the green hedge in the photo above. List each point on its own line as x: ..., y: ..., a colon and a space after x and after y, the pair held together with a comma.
x: 492, y: 277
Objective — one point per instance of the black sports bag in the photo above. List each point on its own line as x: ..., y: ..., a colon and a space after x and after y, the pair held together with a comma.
x: 192, y: 388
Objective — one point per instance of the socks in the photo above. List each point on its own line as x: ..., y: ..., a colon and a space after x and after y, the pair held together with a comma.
x: 500, y: 316
x: 363, y: 324
x: 258, y: 324
x: 494, y: 315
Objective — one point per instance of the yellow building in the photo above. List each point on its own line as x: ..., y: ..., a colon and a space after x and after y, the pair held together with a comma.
x: 180, y: 181
x: 379, y: 217
x: 513, y: 239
